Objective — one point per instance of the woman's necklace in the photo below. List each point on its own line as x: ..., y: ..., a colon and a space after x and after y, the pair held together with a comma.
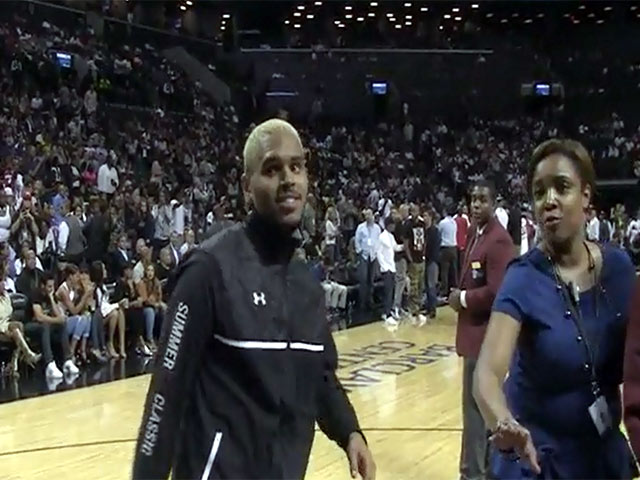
x: 579, y: 276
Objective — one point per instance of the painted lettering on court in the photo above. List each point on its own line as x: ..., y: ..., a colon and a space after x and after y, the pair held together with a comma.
x: 389, y: 358
x: 372, y: 352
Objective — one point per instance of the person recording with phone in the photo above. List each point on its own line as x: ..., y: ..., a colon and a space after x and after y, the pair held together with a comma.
x: 558, y: 329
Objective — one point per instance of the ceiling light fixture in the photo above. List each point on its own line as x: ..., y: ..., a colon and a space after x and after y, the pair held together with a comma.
x: 447, y: 16
x: 371, y: 14
x: 582, y: 7
x: 440, y: 27
x: 297, y: 14
x: 475, y: 5
x: 309, y: 15
x: 608, y: 8
x: 300, y: 7
x: 408, y: 24
x: 407, y: 4
x: 528, y: 20
x: 424, y: 9
x: 223, y: 28
x: 348, y: 16
x: 183, y: 8
x: 287, y: 22
x: 455, y: 9
x: 189, y: 2
x: 341, y: 25
x: 458, y: 19
x: 489, y: 15
x: 361, y: 19
x: 337, y: 22
x: 317, y: 4
x: 226, y: 15
x: 348, y: 7
x: 408, y: 17
x: 504, y: 20
x: 374, y: 4
x: 398, y: 26
x: 297, y: 25
x: 540, y: 15
x: 600, y: 22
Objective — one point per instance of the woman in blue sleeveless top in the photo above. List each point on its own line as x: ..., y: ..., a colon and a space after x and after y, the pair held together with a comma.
x: 558, y: 328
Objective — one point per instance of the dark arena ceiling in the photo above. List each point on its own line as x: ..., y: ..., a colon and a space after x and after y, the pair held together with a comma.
x: 273, y: 19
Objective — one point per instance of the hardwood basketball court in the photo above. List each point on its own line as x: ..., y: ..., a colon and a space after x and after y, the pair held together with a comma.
x: 405, y: 386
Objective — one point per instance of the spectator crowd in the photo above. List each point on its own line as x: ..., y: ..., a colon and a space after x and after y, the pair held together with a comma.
x: 100, y: 202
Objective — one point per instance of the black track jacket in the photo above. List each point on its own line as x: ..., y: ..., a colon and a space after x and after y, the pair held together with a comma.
x: 245, y: 367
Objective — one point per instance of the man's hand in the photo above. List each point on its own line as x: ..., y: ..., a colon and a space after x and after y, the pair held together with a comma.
x: 360, y: 459
x: 454, y: 300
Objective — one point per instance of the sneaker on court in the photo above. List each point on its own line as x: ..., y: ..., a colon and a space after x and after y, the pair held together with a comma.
x: 53, y: 383
x: 69, y: 367
x: 52, y: 371
x: 422, y: 319
x: 70, y: 378
x: 391, y: 321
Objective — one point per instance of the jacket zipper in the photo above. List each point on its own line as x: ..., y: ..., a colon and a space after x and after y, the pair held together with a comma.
x: 285, y: 316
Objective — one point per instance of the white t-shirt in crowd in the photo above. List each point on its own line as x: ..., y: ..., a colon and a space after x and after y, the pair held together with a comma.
x: 502, y: 216
x: 107, y: 179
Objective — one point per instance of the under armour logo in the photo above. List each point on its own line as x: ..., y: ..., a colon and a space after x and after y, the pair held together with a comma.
x: 259, y: 298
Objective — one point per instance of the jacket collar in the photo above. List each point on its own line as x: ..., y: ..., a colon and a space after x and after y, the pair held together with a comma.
x: 490, y: 225
x: 273, y: 242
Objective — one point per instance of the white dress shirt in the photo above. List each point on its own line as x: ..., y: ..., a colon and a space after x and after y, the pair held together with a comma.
x: 448, y: 231
x: 593, y: 229
x: 57, y: 237
x: 502, y: 216
x: 387, y: 246
x: 463, y: 293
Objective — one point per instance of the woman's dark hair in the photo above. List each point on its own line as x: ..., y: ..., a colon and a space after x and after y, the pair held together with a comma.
x: 389, y: 221
x: 125, y: 267
x: 69, y: 270
x: 46, y: 276
x: 96, y: 272
x: 571, y: 149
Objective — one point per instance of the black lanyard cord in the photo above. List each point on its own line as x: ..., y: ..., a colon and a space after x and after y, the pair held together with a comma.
x: 571, y: 298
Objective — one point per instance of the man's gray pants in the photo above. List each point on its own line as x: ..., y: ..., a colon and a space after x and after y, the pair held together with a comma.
x: 474, y: 454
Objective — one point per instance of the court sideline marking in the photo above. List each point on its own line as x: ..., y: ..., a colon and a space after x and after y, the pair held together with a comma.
x: 131, y: 440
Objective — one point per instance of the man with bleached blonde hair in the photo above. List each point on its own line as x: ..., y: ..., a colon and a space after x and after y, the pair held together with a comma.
x: 247, y: 348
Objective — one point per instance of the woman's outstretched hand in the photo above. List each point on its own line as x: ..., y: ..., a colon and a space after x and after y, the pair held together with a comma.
x: 510, y: 435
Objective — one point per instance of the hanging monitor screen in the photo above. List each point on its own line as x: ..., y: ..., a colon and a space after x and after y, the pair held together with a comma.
x: 379, y: 88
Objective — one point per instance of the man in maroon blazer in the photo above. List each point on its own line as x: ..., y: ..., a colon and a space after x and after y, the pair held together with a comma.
x: 489, y: 249
x: 631, y: 380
